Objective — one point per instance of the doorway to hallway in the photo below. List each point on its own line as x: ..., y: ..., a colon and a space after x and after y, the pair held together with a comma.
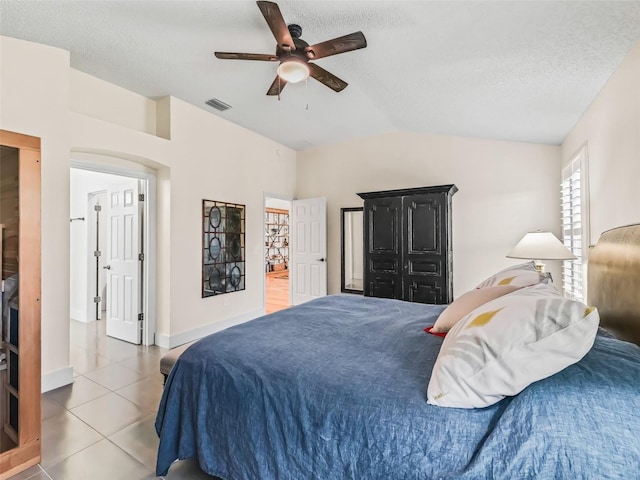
x: 276, y: 254
x: 109, y: 279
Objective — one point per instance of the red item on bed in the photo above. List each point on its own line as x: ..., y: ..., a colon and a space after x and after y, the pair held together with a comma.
x: 428, y: 330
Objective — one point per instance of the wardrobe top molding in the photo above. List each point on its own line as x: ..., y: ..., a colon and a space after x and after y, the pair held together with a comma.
x: 450, y: 189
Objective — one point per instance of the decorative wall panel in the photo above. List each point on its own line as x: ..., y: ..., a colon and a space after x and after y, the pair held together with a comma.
x: 223, y: 248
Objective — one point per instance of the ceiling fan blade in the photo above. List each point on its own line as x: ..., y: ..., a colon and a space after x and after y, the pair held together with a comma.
x: 246, y: 56
x: 353, y: 41
x: 277, y: 86
x: 329, y: 79
x: 271, y: 13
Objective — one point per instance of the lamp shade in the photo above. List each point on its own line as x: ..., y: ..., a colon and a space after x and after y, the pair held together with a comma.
x: 293, y: 71
x: 541, y: 246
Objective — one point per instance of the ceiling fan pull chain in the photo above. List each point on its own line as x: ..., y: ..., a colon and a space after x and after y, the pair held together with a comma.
x: 279, y: 87
x: 279, y: 114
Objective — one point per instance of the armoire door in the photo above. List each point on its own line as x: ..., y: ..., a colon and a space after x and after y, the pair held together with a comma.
x: 383, y: 247
x: 425, y: 250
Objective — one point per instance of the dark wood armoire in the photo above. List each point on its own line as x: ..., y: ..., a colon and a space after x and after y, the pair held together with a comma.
x: 407, y: 244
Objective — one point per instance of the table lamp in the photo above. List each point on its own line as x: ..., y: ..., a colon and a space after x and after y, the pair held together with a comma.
x: 541, y: 246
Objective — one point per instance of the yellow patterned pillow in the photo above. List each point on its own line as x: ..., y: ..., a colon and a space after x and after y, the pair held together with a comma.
x: 521, y: 275
x: 508, y: 343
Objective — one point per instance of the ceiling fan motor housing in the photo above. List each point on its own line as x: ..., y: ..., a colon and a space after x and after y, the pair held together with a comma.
x: 302, y: 50
x: 295, y: 30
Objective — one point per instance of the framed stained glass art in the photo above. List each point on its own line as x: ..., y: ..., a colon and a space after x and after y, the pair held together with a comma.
x: 223, y: 248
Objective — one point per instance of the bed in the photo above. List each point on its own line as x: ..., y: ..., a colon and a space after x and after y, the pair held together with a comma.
x: 335, y: 389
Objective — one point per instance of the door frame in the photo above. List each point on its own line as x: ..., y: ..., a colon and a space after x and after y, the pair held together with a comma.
x: 91, y: 245
x: 277, y: 196
x: 106, y: 164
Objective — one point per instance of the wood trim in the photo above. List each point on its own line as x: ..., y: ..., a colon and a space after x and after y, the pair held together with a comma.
x: 276, y: 210
x: 19, y: 459
x: 449, y: 189
x: 29, y: 293
x: 19, y: 140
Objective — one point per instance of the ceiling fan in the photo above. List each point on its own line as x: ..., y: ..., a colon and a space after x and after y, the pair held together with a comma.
x: 294, y: 54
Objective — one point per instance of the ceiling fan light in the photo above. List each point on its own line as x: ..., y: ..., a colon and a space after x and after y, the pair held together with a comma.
x: 293, y: 71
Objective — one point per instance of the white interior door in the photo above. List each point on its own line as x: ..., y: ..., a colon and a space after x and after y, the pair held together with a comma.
x: 309, y: 254
x: 122, y: 262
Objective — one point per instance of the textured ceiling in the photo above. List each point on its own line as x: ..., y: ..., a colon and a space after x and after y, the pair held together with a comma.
x: 512, y: 70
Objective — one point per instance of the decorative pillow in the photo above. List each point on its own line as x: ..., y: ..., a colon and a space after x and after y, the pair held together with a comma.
x: 466, y: 303
x: 521, y: 275
x: 508, y: 343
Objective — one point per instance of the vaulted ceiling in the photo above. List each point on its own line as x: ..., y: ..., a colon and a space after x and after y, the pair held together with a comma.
x: 511, y: 70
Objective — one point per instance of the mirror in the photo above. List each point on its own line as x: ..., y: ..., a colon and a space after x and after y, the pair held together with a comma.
x: 352, y: 249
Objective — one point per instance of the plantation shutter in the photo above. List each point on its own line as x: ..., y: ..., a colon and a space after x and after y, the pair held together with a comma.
x: 574, y: 216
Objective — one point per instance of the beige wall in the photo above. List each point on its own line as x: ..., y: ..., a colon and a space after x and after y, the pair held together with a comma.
x: 611, y: 130
x: 207, y: 157
x: 505, y: 190
x: 34, y: 100
x: 96, y: 98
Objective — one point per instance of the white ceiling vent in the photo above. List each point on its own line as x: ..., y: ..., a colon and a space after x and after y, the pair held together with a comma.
x: 218, y: 104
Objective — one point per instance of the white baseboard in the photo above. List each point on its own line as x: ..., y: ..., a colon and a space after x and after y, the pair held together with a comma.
x: 78, y: 314
x: 172, y: 341
x: 56, y: 379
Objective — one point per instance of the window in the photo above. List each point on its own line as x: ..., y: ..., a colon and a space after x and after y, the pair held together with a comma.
x: 575, y: 224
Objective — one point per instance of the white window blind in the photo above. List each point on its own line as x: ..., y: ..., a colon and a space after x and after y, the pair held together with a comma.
x: 575, y: 225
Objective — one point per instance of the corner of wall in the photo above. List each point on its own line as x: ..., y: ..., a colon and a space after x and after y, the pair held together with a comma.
x: 56, y: 379
x: 163, y: 117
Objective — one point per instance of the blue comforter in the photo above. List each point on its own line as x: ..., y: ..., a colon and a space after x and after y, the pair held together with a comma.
x: 336, y: 389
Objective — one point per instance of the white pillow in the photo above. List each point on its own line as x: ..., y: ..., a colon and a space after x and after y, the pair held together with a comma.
x: 466, y: 303
x: 508, y: 343
x: 521, y: 275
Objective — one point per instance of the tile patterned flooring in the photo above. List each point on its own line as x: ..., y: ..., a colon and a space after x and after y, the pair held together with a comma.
x: 102, y: 426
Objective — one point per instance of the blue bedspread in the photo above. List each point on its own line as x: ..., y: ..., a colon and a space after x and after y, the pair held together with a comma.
x: 336, y: 389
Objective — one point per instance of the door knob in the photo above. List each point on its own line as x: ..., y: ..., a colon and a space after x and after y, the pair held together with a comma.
x: 322, y: 260
x: 107, y: 267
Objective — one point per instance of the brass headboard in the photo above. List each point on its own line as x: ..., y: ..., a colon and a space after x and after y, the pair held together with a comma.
x: 614, y: 281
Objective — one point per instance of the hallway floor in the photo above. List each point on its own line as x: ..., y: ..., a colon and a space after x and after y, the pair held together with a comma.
x: 277, y: 291
x: 102, y: 426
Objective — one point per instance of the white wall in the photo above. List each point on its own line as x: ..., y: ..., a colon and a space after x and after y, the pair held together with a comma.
x: 207, y: 157
x: 505, y: 190
x: 611, y: 130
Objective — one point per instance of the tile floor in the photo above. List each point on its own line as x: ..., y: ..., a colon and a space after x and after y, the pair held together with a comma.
x: 101, y: 427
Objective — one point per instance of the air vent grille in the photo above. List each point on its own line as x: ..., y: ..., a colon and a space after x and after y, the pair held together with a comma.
x: 218, y: 104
